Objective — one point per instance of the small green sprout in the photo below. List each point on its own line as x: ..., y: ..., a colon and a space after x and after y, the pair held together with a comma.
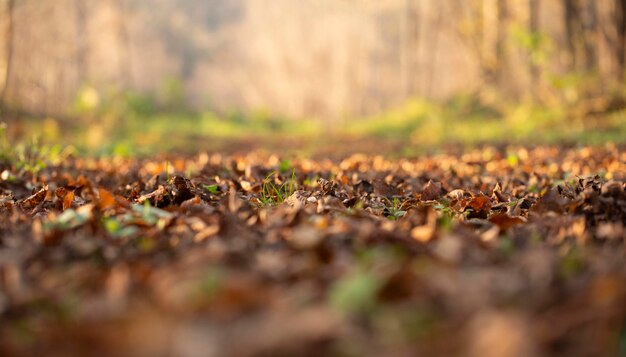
x: 394, y: 209
x: 213, y: 189
x: 272, y: 194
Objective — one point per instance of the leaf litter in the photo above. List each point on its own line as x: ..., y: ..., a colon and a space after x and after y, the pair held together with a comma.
x: 246, y: 255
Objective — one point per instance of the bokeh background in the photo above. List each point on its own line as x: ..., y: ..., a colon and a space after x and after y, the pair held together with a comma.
x: 119, y: 75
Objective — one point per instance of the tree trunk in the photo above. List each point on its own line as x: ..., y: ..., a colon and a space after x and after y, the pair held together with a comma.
x: 6, y: 41
x: 80, y: 14
x: 488, y: 20
x: 571, y: 30
x: 590, y: 30
x: 503, y: 15
x: 432, y: 63
x: 126, y: 75
x: 581, y: 29
x: 533, y: 8
x: 410, y: 46
x: 620, y: 43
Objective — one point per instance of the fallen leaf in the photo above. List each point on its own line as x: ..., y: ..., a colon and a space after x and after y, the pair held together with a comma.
x: 106, y: 199
x: 67, y: 200
x: 29, y: 203
x: 432, y: 191
x: 504, y: 221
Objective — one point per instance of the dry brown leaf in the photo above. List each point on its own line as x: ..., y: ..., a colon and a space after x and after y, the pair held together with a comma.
x: 480, y: 203
x: 432, y: 191
x: 68, y: 199
x: 29, y: 203
x: 107, y: 200
x: 504, y: 221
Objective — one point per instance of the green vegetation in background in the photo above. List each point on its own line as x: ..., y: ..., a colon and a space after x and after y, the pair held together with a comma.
x: 30, y: 156
x: 575, y: 107
x: 578, y: 107
x: 464, y: 120
x: 420, y: 124
x: 128, y: 123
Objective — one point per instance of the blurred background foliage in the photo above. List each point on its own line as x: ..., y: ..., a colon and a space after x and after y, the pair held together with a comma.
x: 128, y: 77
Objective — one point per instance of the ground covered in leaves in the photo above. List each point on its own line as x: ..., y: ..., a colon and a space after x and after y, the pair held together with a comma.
x: 493, y: 252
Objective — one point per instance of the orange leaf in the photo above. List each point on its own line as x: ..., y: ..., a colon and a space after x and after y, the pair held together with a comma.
x: 107, y: 200
x: 68, y: 199
x: 480, y: 203
x: 504, y: 221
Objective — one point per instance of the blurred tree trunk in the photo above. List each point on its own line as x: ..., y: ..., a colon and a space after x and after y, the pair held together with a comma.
x: 488, y: 38
x: 434, y: 51
x: 572, y: 21
x: 80, y: 14
x: 125, y: 61
x: 410, y: 46
x: 581, y: 26
x: 503, y: 14
x: 533, y: 8
x: 590, y: 28
x: 6, y: 41
x: 620, y: 42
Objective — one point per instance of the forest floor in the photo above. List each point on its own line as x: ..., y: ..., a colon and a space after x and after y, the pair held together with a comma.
x: 493, y: 251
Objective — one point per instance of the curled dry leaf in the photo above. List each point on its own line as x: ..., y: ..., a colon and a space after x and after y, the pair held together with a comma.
x: 432, y: 191
x: 498, y: 195
x: 326, y: 187
x: 298, y: 199
x: 458, y: 194
x: 65, y: 198
x: 480, y: 206
x: 29, y: 203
